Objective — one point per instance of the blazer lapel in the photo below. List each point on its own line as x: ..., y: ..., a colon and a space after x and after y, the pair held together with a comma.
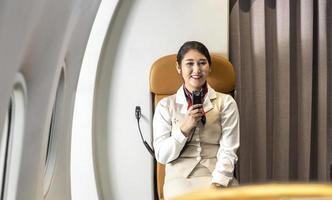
x: 181, y: 99
x: 207, y: 104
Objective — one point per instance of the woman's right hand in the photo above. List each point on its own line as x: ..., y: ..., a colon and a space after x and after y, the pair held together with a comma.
x: 193, y: 116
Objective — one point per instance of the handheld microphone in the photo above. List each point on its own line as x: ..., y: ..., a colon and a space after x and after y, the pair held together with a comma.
x: 197, y: 99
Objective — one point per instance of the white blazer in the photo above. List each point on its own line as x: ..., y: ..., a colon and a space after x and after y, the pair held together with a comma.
x: 213, y: 145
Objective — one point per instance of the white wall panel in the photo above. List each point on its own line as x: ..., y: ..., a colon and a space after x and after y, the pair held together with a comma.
x: 83, y: 184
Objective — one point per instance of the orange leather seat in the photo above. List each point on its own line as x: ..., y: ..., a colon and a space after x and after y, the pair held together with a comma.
x: 289, y: 191
x: 165, y: 81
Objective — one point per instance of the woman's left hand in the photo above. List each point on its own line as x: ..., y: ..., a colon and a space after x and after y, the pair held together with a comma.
x: 217, y: 186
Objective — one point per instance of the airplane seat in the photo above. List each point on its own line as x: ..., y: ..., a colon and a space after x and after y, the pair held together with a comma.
x: 165, y: 81
x: 268, y: 191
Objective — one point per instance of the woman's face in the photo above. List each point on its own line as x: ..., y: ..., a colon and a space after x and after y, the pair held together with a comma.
x: 194, y: 70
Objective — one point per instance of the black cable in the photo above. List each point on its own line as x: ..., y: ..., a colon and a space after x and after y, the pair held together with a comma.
x: 138, y: 115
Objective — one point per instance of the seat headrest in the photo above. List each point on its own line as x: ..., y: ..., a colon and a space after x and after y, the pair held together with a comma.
x: 165, y: 80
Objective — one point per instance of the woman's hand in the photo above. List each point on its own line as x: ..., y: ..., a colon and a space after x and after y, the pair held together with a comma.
x: 217, y: 186
x: 193, y: 116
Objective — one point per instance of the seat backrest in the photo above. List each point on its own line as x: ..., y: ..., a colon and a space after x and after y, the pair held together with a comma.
x: 165, y: 81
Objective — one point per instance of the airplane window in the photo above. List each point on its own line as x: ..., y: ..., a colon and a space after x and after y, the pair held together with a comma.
x: 50, y: 136
x: 15, y: 129
x: 4, y: 140
x: 54, y: 131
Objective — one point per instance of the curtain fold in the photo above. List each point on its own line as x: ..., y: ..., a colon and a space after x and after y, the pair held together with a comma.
x: 281, y: 51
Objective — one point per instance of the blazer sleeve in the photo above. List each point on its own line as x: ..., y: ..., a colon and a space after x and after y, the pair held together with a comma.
x: 229, y: 143
x: 167, y: 144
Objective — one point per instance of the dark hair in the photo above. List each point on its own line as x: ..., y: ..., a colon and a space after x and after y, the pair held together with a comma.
x: 192, y: 45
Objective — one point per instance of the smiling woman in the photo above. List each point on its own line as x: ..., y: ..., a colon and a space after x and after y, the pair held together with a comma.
x: 197, y: 153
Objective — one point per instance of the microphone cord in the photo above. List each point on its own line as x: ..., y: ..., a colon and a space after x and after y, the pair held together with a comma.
x: 138, y: 115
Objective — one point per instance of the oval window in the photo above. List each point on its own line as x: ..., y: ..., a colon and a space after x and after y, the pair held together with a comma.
x: 53, y: 134
x: 13, y: 132
x: 4, y: 140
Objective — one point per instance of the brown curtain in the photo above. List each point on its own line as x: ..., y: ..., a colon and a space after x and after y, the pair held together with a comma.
x: 282, y: 51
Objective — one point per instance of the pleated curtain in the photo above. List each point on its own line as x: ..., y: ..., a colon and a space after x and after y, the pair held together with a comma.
x: 282, y: 54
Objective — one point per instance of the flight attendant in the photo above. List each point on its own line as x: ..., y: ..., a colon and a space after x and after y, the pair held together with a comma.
x: 198, y: 143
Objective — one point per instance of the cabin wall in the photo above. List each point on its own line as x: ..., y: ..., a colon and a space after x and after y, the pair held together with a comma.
x: 140, y: 32
x: 42, y: 43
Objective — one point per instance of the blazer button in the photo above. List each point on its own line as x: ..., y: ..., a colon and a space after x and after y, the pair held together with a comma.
x: 199, y: 149
x: 197, y: 139
x: 198, y: 158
